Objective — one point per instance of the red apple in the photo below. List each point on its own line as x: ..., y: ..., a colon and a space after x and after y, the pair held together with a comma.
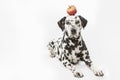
x: 71, y: 10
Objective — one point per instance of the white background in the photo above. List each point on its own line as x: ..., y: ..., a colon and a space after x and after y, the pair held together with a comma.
x: 26, y: 27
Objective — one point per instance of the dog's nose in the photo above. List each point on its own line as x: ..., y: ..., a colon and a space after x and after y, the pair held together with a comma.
x: 73, y: 31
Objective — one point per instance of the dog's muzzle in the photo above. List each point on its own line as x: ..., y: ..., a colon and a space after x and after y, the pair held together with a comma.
x: 73, y: 31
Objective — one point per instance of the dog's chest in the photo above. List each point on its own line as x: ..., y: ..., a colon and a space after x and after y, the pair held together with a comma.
x: 72, y: 51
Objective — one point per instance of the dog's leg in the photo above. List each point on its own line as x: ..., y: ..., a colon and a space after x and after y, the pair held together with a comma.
x: 71, y: 67
x: 51, y: 46
x: 88, y: 62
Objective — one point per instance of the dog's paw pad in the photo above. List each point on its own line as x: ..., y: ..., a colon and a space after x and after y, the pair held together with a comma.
x: 78, y: 75
x: 99, y: 73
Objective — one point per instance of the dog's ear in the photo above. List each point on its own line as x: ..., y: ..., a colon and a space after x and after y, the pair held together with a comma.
x: 61, y: 23
x: 84, y: 21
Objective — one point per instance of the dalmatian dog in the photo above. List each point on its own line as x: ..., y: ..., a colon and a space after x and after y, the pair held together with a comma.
x: 70, y: 48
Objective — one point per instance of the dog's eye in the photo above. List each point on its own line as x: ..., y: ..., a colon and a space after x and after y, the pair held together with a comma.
x: 68, y: 23
x: 77, y: 22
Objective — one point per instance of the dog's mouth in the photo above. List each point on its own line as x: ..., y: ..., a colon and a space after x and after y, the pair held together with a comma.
x: 74, y: 36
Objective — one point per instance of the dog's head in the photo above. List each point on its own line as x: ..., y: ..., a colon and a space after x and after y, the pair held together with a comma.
x: 72, y: 25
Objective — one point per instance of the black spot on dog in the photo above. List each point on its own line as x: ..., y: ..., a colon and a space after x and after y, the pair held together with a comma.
x: 66, y: 57
x: 66, y: 33
x: 69, y: 51
x: 88, y: 63
x: 79, y: 55
x: 69, y: 64
x: 64, y: 51
x: 81, y: 58
x: 69, y: 60
x: 87, y: 57
x: 63, y: 58
x: 80, y: 48
x: 80, y: 43
x: 67, y: 54
x: 58, y: 52
x: 66, y: 47
x: 65, y: 64
x: 84, y: 46
x: 53, y: 46
x: 60, y: 59
x: 52, y: 42
x: 87, y: 53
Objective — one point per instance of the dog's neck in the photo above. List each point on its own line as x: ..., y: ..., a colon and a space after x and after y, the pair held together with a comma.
x: 67, y: 39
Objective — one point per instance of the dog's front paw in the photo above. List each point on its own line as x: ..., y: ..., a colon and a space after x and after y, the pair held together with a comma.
x: 52, y: 54
x: 99, y: 73
x: 78, y: 75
